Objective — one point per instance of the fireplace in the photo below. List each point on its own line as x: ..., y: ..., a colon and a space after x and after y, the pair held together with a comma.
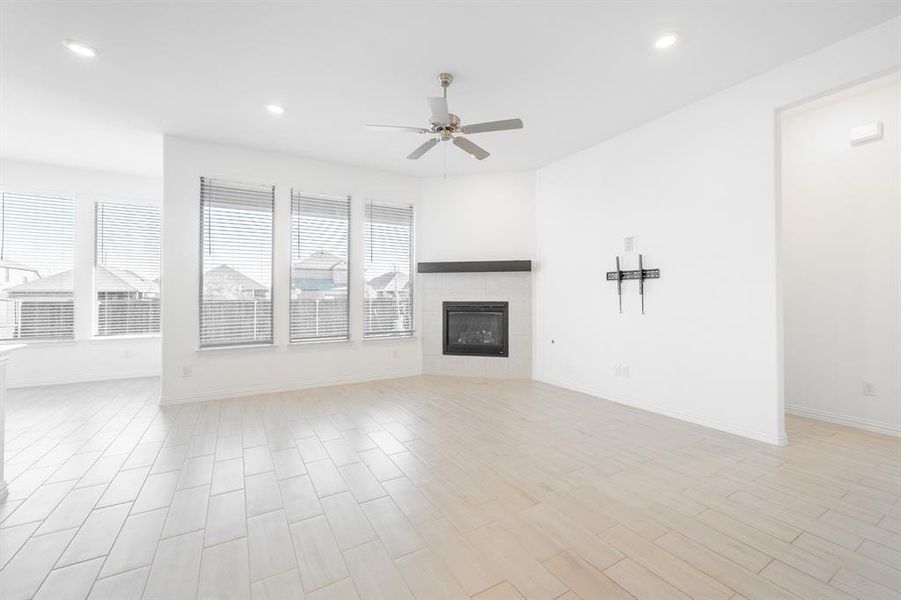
x: 476, y: 328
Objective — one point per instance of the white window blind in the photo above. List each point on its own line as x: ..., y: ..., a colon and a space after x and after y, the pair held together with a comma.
x: 236, y: 263
x: 127, y: 268
x: 37, y: 259
x: 388, y: 248
x: 320, y: 250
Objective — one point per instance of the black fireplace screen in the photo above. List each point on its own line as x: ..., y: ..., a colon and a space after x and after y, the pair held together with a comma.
x: 476, y: 328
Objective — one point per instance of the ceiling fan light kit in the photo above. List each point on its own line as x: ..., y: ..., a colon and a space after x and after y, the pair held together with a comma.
x: 444, y: 126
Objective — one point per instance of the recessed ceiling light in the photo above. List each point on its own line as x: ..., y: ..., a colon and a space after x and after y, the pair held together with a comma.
x: 275, y: 109
x: 667, y: 40
x: 80, y: 48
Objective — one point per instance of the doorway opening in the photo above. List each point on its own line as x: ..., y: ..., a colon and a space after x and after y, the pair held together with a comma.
x: 840, y: 257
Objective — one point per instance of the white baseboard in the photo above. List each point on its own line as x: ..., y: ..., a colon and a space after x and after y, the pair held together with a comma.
x: 29, y: 383
x: 839, y: 419
x: 289, y: 387
x: 761, y: 436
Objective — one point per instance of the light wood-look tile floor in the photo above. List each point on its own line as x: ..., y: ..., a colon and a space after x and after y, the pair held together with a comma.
x: 433, y: 488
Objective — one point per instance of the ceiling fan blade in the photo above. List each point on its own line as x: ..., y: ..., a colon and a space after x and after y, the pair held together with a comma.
x: 472, y: 149
x: 392, y: 128
x: 438, y: 105
x: 492, y: 126
x: 422, y: 149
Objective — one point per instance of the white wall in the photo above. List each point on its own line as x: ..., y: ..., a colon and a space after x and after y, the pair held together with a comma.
x: 477, y: 217
x: 86, y: 358
x: 698, y: 189
x: 842, y: 258
x: 219, y: 373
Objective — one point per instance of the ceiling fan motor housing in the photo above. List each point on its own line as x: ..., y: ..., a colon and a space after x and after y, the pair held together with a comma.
x: 446, y: 129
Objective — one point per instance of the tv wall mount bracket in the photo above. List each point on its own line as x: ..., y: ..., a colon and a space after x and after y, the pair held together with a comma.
x: 639, y: 274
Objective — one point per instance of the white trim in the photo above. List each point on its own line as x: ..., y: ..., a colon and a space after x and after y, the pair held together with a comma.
x: 761, y: 436
x: 45, y: 342
x: 849, y: 421
x: 308, y: 343
x: 29, y: 383
x: 392, y: 336
x: 262, y: 347
x: 290, y: 387
x: 151, y: 337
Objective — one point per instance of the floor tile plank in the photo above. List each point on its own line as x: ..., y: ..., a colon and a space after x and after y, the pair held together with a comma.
x: 224, y: 571
x: 271, y: 550
x: 318, y: 557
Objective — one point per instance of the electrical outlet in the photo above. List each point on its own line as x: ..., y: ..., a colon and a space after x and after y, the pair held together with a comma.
x: 869, y: 388
x: 186, y: 371
x: 629, y: 244
x: 625, y: 371
x: 618, y: 371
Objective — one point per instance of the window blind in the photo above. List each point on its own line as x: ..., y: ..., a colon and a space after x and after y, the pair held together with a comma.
x: 236, y: 263
x: 388, y: 249
x: 37, y: 260
x: 127, y: 269
x: 320, y: 248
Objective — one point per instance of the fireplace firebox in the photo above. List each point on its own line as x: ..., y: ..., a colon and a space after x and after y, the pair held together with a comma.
x: 476, y: 328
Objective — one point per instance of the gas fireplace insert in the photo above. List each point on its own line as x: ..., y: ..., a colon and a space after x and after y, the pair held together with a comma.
x: 476, y: 328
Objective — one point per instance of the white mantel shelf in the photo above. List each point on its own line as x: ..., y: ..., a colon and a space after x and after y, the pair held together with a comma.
x: 5, y: 351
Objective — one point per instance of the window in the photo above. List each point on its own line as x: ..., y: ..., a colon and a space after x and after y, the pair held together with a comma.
x: 388, y: 248
x: 319, y: 255
x: 37, y: 260
x: 235, y: 263
x: 127, y: 269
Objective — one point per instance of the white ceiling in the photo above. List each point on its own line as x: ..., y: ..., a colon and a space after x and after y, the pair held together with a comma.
x: 575, y: 72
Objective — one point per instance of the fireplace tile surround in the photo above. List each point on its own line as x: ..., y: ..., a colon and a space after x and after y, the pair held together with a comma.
x: 512, y: 287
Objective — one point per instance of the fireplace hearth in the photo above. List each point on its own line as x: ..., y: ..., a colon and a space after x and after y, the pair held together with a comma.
x: 476, y: 328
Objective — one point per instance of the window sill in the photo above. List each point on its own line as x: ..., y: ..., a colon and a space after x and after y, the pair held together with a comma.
x: 392, y: 337
x: 238, y: 348
x: 309, y: 343
x: 125, y: 338
x: 46, y: 343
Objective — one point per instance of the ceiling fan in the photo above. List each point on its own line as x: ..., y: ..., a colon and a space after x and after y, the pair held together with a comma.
x: 447, y: 127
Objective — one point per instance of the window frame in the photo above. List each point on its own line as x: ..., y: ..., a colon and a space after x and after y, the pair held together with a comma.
x: 74, y: 201
x: 397, y: 334
x: 95, y: 309
x: 272, y: 236
x: 349, y: 199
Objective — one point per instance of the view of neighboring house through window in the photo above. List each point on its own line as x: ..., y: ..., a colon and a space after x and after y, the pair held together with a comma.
x: 388, y: 249
x: 319, y: 255
x: 127, y: 269
x: 236, y: 263
x: 37, y: 250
